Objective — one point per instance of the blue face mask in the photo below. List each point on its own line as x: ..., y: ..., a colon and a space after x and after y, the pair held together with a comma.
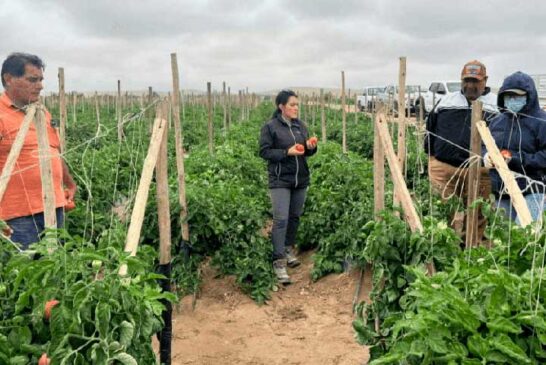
x: 515, y: 103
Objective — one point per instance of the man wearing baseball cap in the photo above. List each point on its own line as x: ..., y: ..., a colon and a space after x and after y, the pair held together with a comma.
x: 448, y: 140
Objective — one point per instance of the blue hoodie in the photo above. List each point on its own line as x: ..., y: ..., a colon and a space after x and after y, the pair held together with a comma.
x: 523, y: 134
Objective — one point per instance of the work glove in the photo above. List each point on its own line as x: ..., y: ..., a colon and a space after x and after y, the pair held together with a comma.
x: 487, y: 162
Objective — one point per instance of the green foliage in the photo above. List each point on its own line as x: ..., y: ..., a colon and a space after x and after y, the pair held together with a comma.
x: 100, y: 316
x: 486, y: 306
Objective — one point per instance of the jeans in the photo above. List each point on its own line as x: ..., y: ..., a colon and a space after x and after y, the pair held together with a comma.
x: 287, y: 209
x: 27, y: 230
x: 535, y: 203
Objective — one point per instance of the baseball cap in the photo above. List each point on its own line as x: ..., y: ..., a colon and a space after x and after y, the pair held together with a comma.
x: 473, y: 69
x: 515, y: 91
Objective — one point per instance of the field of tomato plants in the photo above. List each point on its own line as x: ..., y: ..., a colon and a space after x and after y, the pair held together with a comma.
x: 482, y: 306
x: 95, y: 316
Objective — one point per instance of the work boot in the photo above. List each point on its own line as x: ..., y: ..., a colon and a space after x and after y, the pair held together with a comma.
x: 291, y: 259
x: 279, y: 266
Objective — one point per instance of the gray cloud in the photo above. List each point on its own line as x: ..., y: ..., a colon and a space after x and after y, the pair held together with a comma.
x: 273, y: 43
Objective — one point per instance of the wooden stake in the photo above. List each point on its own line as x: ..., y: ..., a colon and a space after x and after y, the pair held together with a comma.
x: 473, y: 185
x: 137, y: 215
x: 15, y: 150
x: 179, y: 146
x: 400, y: 187
x: 211, y: 127
x: 62, y: 110
x: 46, y: 172
x: 356, y: 108
x: 322, y: 116
x: 118, y: 112
x: 378, y: 170
x: 74, y: 102
x: 343, y: 114
x: 97, y: 110
x: 516, y: 196
x: 401, y: 119
x: 162, y: 196
x: 229, y: 106
x: 224, y: 106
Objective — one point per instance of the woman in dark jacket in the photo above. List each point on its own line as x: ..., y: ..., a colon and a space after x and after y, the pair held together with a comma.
x: 284, y: 143
x: 520, y: 133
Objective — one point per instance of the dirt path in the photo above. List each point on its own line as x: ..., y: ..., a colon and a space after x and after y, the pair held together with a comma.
x: 304, y: 323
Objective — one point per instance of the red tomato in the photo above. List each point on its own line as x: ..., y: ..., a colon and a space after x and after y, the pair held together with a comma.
x: 300, y: 148
x: 313, y: 140
x: 506, y: 154
x: 48, y: 307
x: 44, y: 360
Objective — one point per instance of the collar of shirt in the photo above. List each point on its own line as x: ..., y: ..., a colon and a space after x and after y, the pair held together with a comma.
x: 4, y: 99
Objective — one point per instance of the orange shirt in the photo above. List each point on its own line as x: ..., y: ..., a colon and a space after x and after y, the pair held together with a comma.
x: 23, y: 195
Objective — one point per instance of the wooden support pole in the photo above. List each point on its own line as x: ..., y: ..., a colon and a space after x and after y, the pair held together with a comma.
x: 343, y: 114
x: 119, y: 113
x: 322, y: 116
x: 356, y: 108
x: 137, y: 215
x: 97, y: 110
x: 516, y: 196
x: 15, y: 150
x: 164, y: 222
x: 247, y: 103
x: 224, y: 106
x: 473, y: 184
x: 62, y: 110
x: 179, y: 147
x: 401, y: 119
x: 378, y: 170
x: 162, y: 196
x: 411, y: 216
x: 46, y: 172
x: 242, y: 115
x: 421, y: 108
x: 229, y: 106
x: 211, y: 126
x: 74, y: 102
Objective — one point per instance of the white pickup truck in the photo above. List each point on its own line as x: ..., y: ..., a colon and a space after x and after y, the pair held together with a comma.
x: 437, y: 90
x: 389, y: 97
x: 367, y: 100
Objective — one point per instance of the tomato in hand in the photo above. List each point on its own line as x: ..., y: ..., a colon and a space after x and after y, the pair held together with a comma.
x: 506, y: 154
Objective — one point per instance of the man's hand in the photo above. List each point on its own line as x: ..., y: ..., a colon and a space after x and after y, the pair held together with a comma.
x: 487, y: 162
x: 70, y: 192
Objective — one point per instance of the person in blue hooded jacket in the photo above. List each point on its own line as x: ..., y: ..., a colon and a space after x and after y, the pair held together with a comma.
x: 520, y: 133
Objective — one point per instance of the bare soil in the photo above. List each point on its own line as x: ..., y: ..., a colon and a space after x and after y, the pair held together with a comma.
x: 303, y: 323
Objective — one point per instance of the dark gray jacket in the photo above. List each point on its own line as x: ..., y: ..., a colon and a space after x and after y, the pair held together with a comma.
x: 276, y: 137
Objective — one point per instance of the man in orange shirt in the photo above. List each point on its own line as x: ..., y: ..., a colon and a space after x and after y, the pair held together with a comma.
x: 22, y: 205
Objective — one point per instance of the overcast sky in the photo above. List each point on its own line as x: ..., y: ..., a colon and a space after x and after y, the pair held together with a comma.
x: 272, y: 44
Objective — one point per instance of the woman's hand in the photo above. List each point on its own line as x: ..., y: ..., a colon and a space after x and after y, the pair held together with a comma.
x: 312, y: 143
x: 296, y: 150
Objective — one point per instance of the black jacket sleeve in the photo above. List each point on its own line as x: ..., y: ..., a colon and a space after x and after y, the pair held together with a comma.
x: 431, y: 128
x: 267, y: 150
